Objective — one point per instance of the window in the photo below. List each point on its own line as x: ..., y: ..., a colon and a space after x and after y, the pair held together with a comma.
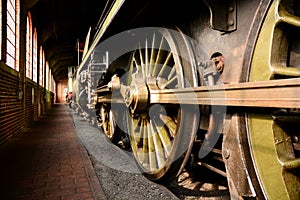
x: 47, y: 74
x: 17, y: 35
x: 42, y: 64
x: 29, y: 47
x: 35, y: 49
x: 12, y: 31
x: 52, y: 84
x: 0, y: 29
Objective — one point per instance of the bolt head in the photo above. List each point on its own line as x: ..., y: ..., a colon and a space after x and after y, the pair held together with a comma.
x: 226, y: 154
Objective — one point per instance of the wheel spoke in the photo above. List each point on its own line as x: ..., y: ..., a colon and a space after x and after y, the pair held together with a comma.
x: 172, y: 73
x: 165, y: 65
x: 170, y: 124
x: 137, y: 65
x: 142, y: 61
x: 145, y: 152
x: 152, y: 56
x: 152, y: 149
x: 164, y: 137
x: 140, y: 133
x: 146, y: 60
x: 158, y: 58
x: 134, y: 128
x: 158, y: 146
x: 169, y: 82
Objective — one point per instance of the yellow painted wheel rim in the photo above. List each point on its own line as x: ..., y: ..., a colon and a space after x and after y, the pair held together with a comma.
x: 271, y: 49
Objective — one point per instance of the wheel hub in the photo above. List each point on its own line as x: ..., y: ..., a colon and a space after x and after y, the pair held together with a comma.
x: 137, y: 96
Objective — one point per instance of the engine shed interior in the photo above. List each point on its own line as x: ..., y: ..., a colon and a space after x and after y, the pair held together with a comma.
x: 208, y: 83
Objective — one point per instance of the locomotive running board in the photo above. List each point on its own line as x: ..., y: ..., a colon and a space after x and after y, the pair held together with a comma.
x: 284, y: 93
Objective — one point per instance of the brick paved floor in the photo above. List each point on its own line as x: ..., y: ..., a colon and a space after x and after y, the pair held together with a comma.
x: 48, y: 162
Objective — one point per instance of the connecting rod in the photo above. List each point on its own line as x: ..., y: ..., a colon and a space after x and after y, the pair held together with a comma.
x: 284, y: 93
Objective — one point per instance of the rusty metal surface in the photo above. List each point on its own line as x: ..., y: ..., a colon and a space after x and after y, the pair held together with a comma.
x: 223, y: 14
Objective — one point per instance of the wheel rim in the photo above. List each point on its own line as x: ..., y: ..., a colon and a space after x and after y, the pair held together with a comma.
x: 271, y: 146
x: 159, y: 134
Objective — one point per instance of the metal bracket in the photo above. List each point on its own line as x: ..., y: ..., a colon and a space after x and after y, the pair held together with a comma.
x: 223, y: 15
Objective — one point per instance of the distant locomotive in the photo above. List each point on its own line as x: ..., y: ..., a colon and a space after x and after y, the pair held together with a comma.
x: 204, y: 81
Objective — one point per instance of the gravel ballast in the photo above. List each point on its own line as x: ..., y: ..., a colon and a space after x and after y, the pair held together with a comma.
x: 116, y: 169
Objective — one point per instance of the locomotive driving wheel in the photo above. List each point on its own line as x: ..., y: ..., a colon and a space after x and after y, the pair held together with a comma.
x: 274, y: 137
x: 108, y: 121
x: 161, y: 135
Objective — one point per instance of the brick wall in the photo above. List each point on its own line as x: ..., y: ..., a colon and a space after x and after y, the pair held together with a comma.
x: 20, y: 103
x: 11, y: 108
x: 61, y: 88
x: 21, y: 100
x: 30, y: 97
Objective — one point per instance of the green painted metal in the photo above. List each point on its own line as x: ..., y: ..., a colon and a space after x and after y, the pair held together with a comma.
x: 270, y: 52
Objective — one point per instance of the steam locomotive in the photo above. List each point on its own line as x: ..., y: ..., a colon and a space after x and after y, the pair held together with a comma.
x: 200, y: 81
